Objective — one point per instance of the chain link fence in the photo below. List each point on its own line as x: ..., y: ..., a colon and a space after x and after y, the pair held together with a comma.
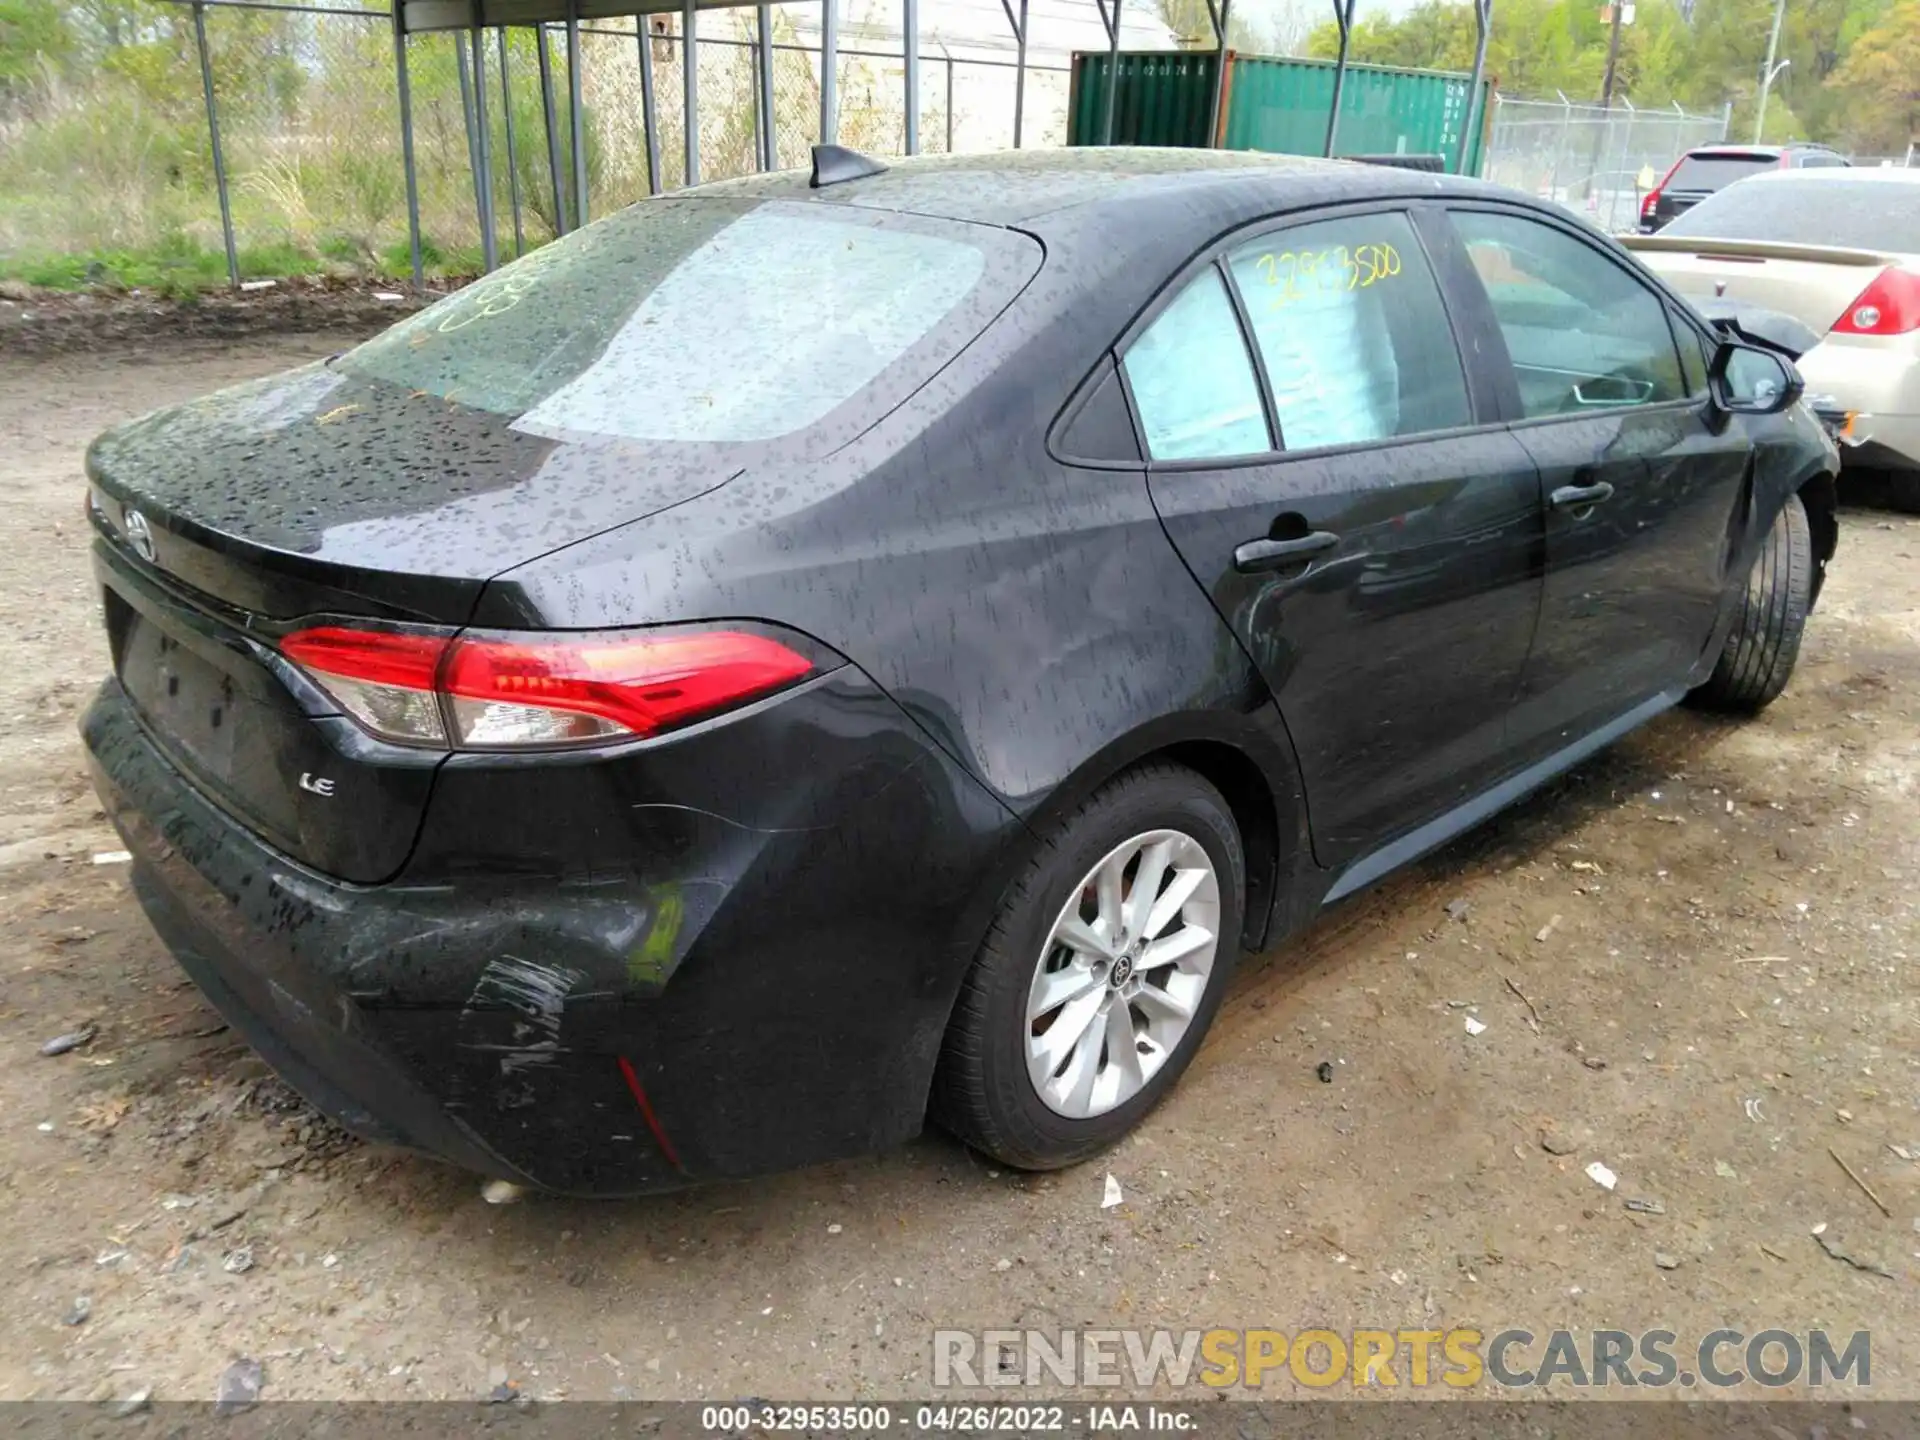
x: 107, y: 168
x: 1593, y: 159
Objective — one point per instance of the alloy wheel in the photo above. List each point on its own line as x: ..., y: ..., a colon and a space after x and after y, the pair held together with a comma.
x: 1122, y: 973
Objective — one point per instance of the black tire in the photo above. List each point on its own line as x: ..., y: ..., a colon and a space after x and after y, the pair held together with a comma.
x: 1903, y: 491
x: 1765, y: 639
x: 982, y: 1092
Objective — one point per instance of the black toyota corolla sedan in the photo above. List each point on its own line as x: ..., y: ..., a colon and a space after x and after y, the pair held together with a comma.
x: 797, y: 657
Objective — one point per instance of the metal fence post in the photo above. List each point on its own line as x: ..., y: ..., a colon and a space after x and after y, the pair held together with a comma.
x: 1343, y: 18
x: 1483, y: 22
x: 483, y: 155
x: 950, y: 103
x: 213, y: 137
x: 649, y: 111
x: 829, y: 67
x: 1113, y: 72
x: 1222, y: 20
x: 513, y: 153
x: 1019, y: 71
x: 577, y: 116
x: 551, y: 116
x: 463, y: 64
x: 910, y: 64
x: 690, y: 90
x: 405, y: 88
x: 769, y: 116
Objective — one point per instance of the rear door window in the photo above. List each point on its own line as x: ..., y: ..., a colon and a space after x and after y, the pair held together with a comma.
x: 1351, y: 332
x: 1582, y: 332
x: 707, y: 321
x: 1712, y: 172
x: 1192, y: 379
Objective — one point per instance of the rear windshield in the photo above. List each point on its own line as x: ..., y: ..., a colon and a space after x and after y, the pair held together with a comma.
x: 1851, y: 214
x: 1711, y: 172
x: 703, y: 320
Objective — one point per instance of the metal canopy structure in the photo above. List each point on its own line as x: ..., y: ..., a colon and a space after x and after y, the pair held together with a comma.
x: 549, y: 19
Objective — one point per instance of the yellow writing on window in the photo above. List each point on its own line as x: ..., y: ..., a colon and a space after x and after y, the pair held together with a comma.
x: 1296, y: 275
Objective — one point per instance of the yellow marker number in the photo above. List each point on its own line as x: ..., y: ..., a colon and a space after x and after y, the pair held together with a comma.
x: 1297, y: 274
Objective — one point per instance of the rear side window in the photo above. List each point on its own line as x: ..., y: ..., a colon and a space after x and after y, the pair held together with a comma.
x: 1582, y: 332
x: 1192, y: 380
x: 702, y: 321
x: 1351, y: 331
x: 1712, y: 172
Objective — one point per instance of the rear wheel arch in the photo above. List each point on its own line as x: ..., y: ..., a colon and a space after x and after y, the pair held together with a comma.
x: 1256, y: 774
x: 1820, y: 498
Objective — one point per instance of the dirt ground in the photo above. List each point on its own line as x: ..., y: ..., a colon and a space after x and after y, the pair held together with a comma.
x: 1714, y: 923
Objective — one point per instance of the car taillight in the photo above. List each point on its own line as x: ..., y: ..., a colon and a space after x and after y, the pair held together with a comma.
x: 500, y: 690
x: 1889, y: 306
x: 1650, y: 204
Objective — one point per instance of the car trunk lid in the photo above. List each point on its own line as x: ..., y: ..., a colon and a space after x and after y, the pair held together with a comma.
x: 1813, y: 283
x: 228, y: 522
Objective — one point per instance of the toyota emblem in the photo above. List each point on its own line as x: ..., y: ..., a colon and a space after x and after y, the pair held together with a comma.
x: 140, y: 535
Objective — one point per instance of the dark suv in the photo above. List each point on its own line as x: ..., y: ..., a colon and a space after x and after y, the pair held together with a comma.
x: 1698, y: 173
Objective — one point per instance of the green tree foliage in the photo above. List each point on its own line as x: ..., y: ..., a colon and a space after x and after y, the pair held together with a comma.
x: 1709, y: 55
x: 1881, y: 80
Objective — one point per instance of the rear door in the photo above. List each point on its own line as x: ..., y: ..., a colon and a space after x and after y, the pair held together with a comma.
x: 1319, y: 458
x: 1641, y: 475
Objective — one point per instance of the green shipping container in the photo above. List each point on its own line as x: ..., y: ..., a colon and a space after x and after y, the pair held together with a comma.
x: 1275, y: 104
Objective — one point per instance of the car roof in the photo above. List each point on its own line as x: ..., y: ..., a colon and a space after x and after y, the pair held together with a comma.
x: 1016, y: 186
x: 1837, y: 175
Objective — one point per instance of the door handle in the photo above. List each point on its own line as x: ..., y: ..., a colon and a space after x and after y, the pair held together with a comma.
x: 1580, y: 497
x: 1265, y: 554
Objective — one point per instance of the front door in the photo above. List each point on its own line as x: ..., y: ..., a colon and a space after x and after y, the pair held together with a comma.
x: 1374, y: 547
x: 1640, y: 474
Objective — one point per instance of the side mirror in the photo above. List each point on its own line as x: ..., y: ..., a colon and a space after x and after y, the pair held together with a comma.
x: 1747, y: 380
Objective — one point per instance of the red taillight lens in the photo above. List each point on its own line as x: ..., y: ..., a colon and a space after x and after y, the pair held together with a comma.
x: 503, y: 691
x: 522, y: 691
x: 1650, y: 204
x: 383, y: 678
x: 1889, y: 306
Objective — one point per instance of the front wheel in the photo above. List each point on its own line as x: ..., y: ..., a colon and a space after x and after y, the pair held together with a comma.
x: 1765, y: 640
x: 1100, y: 974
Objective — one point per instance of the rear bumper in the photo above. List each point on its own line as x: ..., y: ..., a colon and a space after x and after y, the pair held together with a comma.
x: 711, y: 998
x: 1879, y: 386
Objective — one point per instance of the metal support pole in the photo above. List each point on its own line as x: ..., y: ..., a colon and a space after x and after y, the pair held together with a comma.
x: 577, y: 117
x: 690, y: 90
x: 213, y: 137
x: 513, y: 152
x: 829, y: 68
x: 950, y: 106
x: 1618, y: 11
x: 1019, y: 68
x: 1113, y: 75
x: 769, y: 117
x: 550, y: 115
x: 1222, y: 18
x: 1766, y: 77
x: 465, y: 67
x: 483, y: 153
x: 910, y: 58
x: 1483, y: 20
x: 405, y: 88
x: 649, y: 112
x: 1342, y: 17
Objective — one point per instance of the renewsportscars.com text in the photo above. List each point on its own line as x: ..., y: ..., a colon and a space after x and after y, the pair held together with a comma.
x: 1459, y: 1358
